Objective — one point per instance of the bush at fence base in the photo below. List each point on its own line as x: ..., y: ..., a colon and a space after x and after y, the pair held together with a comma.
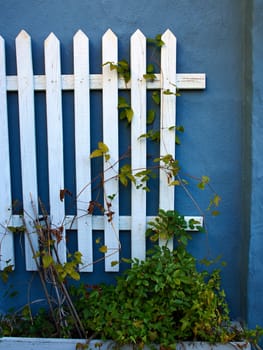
x: 163, y: 300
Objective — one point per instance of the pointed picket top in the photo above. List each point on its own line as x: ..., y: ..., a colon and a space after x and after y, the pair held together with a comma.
x: 51, y: 37
x: 24, y: 54
x: 169, y: 36
x: 51, y: 42
x: 138, y: 34
x: 80, y: 35
x: 23, y: 35
x: 168, y: 59
x: 110, y: 44
x: 109, y: 34
x: 138, y: 53
x: 81, y: 54
x: 52, y: 60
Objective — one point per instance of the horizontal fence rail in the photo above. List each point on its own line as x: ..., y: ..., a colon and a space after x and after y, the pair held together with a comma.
x: 81, y: 82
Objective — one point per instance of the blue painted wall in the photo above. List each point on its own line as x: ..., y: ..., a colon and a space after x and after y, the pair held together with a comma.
x: 255, y: 281
x: 220, y: 38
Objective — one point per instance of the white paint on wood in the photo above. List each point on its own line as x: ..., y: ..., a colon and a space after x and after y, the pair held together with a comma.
x: 167, y: 117
x: 27, y: 142
x: 6, y: 237
x: 184, y: 81
x: 55, y: 136
x: 97, y: 222
x: 82, y: 147
x: 138, y: 145
x: 110, y: 138
x: 12, y: 343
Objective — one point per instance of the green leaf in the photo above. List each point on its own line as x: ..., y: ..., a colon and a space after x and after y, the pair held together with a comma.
x: 74, y: 275
x: 150, y: 68
x: 216, y: 200
x: 17, y: 229
x: 103, y: 147
x: 123, y: 64
x: 156, y: 97
x: 107, y: 157
x: 168, y: 92
x: 96, y: 153
x: 129, y: 114
x: 153, y: 135
x: 157, y: 41
x: 122, y: 103
x: 205, y: 179
x: 149, y: 76
x: 177, y: 140
x: 175, y: 183
x: 180, y: 128
x: 103, y: 249
x: 47, y: 260
x: 114, y: 263
x: 150, y: 116
x: 126, y: 111
x: 102, y: 150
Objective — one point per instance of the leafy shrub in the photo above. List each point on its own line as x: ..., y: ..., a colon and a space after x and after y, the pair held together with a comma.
x: 162, y: 300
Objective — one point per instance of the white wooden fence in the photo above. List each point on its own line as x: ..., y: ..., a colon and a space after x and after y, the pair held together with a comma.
x: 25, y: 83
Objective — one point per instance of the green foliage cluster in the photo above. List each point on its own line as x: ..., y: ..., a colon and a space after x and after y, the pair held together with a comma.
x: 165, y: 299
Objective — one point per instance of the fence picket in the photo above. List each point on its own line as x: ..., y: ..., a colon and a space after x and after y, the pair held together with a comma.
x: 27, y: 141
x: 168, y: 116
x: 6, y: 237
x: 110, y: 138
x: 82, y: 147
x: 138, y: 145
x: 55, y: 136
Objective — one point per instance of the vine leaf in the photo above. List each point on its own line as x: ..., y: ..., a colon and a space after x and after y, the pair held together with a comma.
x: 103, y: 249
x: 102, y: 150
x: 122, y: 67
x: 151, y: 116
x: 47, y: 260
x: 126, y: 112
x: 157, y: 40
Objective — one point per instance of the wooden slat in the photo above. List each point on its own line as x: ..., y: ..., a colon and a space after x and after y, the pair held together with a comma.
x: 184, y: 81
x: 98, y: 222
x: 55, y: 135
x: 27, y: 141
x: 110, y: 138
x: 82, y: 147
x: 167, y: 117
x: 6, y: 237
x: 138, y: 145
